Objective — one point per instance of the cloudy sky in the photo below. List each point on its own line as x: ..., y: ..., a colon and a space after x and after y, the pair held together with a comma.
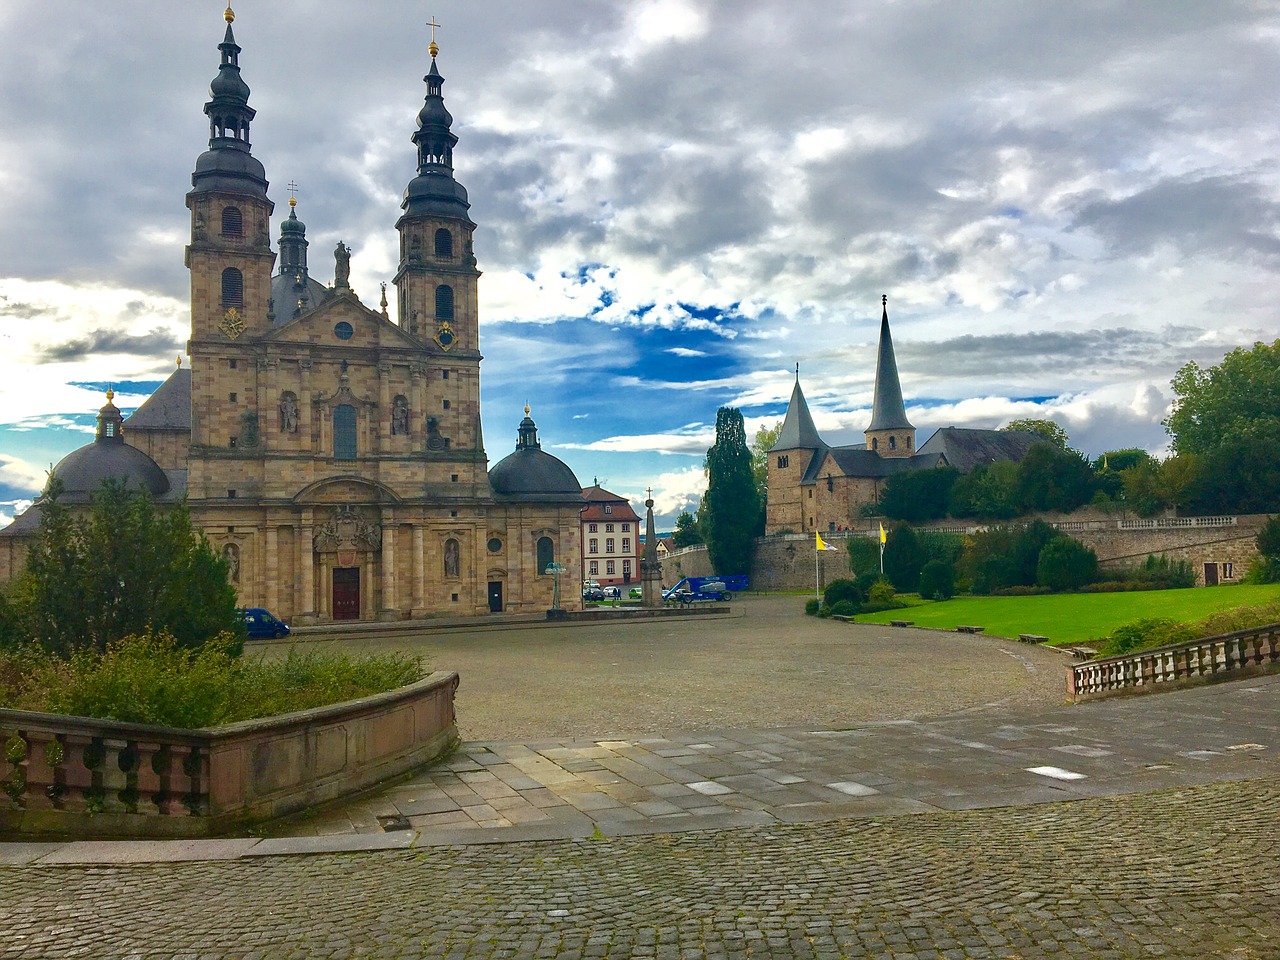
x: 677, y: 200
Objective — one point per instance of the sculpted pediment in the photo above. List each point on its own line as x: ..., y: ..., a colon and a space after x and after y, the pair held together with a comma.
x: 346, y: 490
x: 344, y: 320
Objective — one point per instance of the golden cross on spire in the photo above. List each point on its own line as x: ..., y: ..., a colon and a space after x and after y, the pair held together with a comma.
x: 649, y: 492
x: 434, y: 48
x: 293, y: 194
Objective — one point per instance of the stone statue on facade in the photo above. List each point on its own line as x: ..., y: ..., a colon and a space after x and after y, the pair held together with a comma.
x: 399, y: 416
x: 288, y: 413
x: 342, y: 265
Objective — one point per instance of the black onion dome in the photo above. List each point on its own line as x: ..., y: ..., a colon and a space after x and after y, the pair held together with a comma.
x: 532, y: 474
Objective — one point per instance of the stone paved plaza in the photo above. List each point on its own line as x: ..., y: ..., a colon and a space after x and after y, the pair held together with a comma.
x: 960, y: 820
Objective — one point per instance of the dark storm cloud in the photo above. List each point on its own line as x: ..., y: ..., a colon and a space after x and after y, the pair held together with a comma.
x: 1092, y: 354
x: 101, y: 341
x: 1223, y: 214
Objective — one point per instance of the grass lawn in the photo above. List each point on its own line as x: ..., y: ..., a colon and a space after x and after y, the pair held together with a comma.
x: 1077, y: 617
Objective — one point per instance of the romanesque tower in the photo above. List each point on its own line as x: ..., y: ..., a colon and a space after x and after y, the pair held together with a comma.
x: 890, y: 434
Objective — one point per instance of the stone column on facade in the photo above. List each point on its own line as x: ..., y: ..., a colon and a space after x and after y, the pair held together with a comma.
x: 389, y: 610
x: 266, y: 388
x: 271, y: 568
x: 650, y: 566
x: 419, y: 570
x: 382, y: 420
x: 306, y: 411
x: 305, y: 602
x: 417, y: 415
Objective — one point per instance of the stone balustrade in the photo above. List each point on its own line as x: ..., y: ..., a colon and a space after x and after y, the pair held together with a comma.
x: 1213, y: 657
x: 75, y: 776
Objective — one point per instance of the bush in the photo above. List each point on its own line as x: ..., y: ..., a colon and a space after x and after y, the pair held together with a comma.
x: 881, y: 597
x: 1066, y: 564
x: 843, y: 589
x: 937, y: 581
x: 150, y: 679
x: 1021, y: 591
x: 864, y: 554
x: 844, y: 608
x: 811, y: 607
x: 904, y: 557
x: 1142, y: 634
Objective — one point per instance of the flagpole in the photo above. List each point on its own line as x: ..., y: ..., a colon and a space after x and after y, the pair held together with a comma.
x: 817, y: 594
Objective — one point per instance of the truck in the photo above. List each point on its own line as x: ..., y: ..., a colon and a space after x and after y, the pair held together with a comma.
x: 706, y: 588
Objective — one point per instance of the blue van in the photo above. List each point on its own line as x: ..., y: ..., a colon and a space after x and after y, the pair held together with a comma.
x: 259, y: 624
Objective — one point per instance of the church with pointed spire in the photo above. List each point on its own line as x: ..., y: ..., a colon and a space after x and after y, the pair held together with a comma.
x: 818, y: 488
x: 332, y: 455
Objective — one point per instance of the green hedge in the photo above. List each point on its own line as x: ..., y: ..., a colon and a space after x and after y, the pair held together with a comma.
x: 150, y: 679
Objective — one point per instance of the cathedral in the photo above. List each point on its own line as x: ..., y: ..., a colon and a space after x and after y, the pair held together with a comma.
x: 333, y: 456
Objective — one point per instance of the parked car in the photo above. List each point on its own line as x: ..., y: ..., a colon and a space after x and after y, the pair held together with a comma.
x: 260, y: 624
x: 613, y: 593
x: 592, y: 593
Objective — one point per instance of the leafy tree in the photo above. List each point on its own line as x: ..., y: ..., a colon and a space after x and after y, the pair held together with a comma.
x: 1052, y: 432
x: 989, y: 492
x: 1141, y: 487
x: 1066, y: 564
x: 1269, y: 539
x: 1005, y: 556
x: 686, y: 533
x: 844, y: 590
x: 1217, y: 404
x: 732, y: 505
x: 937, y: 581
x: 122, y: 568
x: 904, y: 558
x: 764, y: 439
x: 1176, y: 478
x: 918, y: 495
x: 1242, y: 475
x: 1118, y: 460
x: 1050, y: 478
x: 944, y: 547
x: 864, y: 555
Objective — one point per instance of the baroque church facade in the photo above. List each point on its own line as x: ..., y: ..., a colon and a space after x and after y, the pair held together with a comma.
x: 333, y: 456
x: 817, y: 488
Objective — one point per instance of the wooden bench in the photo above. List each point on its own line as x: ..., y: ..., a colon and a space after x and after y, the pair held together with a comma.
x: 1032, y: 638
x: 1082, y: 653
x: 969, y: 629
x: 902, y: 623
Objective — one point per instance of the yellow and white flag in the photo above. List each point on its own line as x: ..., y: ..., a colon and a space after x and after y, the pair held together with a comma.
x: 822, y: 544
x: 883, y: 536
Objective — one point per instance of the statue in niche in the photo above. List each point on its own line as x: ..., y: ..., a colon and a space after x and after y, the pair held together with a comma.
x: 342, y: 265
x: 288, y: 412
x: 399, y: 416
x: 231, y: 553
x: 452, y: 559
x: 434, y: 440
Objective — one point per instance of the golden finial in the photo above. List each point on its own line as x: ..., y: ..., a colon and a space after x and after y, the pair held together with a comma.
x: 293, y: 189
x: 230, y: 14
x: 526, y: 409
x: 433, y: 48
x: 179, y: 363
x: 111, y: 394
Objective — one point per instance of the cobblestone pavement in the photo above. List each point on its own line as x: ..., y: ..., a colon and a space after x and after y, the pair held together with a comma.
x: 1187, y: 873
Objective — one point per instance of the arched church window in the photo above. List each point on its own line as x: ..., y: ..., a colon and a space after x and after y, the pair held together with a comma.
x: 444, y: 302
x: 232, y: 288
x: 875, y: 443
x: 344, y: 432
x: 546, y: 554
x: 232, y: 222
x: 893, y: 443
x: 444, y: 244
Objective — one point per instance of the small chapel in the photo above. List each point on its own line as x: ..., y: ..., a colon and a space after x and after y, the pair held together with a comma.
x: 333, y: 456
x: 817, y: 488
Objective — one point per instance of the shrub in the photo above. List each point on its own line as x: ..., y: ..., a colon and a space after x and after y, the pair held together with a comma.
x: 864, y: 554
x: 844, y: 608
x: 843, y: 589
x: 1151, y: 632
x: 1020, y: 591
x: 151, y: 679
x: 1066, y: 564
x: 881, y: 597
x: 937, y: 581
x: 903, y: 558
x: 811, y: 607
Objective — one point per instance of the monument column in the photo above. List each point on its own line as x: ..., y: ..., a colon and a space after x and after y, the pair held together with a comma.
x: 650, y: 567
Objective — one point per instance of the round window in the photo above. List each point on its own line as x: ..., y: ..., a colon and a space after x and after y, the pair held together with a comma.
x: 495, y: 545
x: 342, y: 330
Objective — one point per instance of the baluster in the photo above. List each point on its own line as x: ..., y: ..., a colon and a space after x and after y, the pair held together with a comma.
x: 75, y: 777
x: 177, y: 783
x: 146, y: 779
x: 43, y: 755
x: 112, y: 778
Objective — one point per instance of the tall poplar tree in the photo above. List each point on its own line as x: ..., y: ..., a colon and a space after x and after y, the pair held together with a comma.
x: 732, y: 502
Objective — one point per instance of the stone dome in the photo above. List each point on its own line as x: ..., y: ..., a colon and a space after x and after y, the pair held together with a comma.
x: 531, y: 473
x: 82, y: 471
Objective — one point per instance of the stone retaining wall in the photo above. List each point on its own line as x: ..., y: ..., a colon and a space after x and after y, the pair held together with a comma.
x: 74, y: 776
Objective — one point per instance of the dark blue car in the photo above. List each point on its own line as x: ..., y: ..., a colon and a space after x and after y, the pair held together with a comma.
x: 259, y: 624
